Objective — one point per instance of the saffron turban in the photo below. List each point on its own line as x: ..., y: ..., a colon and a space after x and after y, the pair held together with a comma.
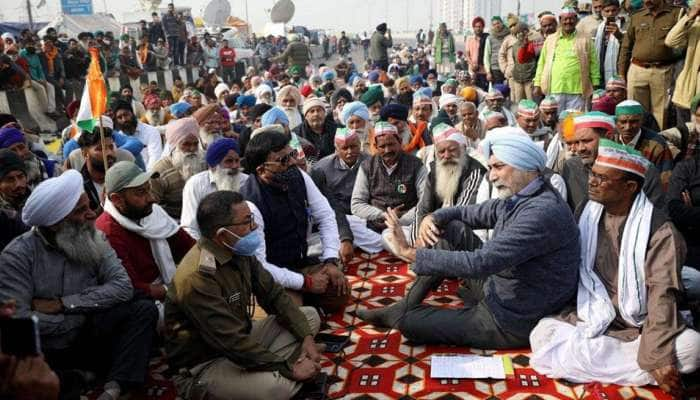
x: 275, y: 115
x: 510, y: 146
x: 356, y: 108
x: 53, y: 199
x: 179, y: 130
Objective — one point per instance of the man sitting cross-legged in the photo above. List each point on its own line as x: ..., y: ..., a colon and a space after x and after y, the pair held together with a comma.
x: 626, y: 328
x: 528, y: 267
x: 219, y: 351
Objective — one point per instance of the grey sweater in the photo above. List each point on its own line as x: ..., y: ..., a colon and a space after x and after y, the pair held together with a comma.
x: 530, y: 267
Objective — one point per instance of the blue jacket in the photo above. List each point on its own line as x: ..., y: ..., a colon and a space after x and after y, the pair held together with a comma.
x: 530, y: 267
x: 128, y: 143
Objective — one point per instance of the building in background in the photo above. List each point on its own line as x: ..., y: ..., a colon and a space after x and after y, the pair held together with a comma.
x: 452, y: 14
x: 480, y: 8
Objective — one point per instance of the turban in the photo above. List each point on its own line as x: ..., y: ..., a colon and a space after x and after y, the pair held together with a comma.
x: 394, y: 110
x: 328, y: 75
x: 568, y: 12
x: 549, y: 103
x: 295, y: 70
x: 311, y: 103
x: 528, y: 108
x: 340, y: 94
x: 261, y: 90
x: 289, y: 90
x: 53, y: 199
x: 494, y: 94
x: 419, y: 98
x: 7, y: 35
x: 180, y: 129
x: 568, y: 125
x: 616, y: 83
x: 629, y: 107
x: 217, y: 151
x: 205, y: 113
x: 356, y: 108
x: 180, y: 108
x: 382, y: 128
x: 477, y: 20
x: 448, y: 98
x: 621, y: 157
x: 10, y: 136
x: 502, y: 88
x: 372, y: 96
x: 426, y: 91
x: 220, y: 88
x: 382, y: 27
x: 604, y: 104
x: 512, y: 20
x: 275, y: 115
x: 373, y: 76
x: 514, y: 148
x: 451, y: 82
x: 496, y: 18
x: 245, y: 101
x: 594, y: 119
x: 9, y: 162
x: 151, y: 100
x: 306, y: 90
x: 442, y: 132
x: 342, y: 135
x: 416, y: 79
x: 469, y: 94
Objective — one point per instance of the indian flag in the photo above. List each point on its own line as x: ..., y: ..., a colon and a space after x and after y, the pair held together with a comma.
x: 94, y: 101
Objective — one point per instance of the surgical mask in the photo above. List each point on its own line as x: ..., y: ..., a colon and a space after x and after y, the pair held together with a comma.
x: 246, y: 245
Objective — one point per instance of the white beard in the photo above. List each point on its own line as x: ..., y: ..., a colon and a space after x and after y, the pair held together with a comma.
x: 208, y: 138
x: 447, y: 179
x: 155, y: 118
x: 81, y: 243
x: 294, y: 116
x: 188, y: 163
x: 225, y: 179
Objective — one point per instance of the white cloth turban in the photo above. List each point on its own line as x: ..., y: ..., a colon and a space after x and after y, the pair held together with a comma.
x: 53, y: 199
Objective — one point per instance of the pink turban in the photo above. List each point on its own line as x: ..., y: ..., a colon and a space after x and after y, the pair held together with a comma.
x: 179, y: 130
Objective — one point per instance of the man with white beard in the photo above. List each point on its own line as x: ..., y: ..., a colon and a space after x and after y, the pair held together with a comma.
x: 224, y: 161
x: 355, y: 116
x: 289, y: 99
x: 185, y: 160
x: 213, y: 125
x: 155, y: 116
x: 66, y: 274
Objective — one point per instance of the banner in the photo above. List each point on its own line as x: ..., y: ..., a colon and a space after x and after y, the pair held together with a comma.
x: 77, y: 7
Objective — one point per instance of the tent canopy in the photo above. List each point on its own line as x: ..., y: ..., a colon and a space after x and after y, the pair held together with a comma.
x: 75, y: 24
x: 16, y: 27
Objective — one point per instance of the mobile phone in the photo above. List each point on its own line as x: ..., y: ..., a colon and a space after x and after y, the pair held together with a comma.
x: 334, y: 343
x: 20, y: 336
x: 611, y: 20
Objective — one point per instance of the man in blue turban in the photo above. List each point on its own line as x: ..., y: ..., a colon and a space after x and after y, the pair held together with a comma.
x: 527, y: 270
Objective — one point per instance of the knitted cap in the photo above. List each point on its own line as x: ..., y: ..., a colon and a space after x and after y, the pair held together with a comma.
x: 494, y: 94
x: 621, y: 157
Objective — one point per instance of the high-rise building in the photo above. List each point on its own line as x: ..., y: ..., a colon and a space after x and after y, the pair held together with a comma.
x: 452, y: 14
x: 480, y: 8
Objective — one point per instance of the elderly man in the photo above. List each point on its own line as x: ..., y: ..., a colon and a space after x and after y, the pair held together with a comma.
x: 397, y: 115
x: 213, y: 124
x: 125, y: 122
x: 318, y: 127
x: 549, y: 118
x: 494, y: 103
x: 373, y: 98
x: 13, y: 193
x: 355, y: 116
x: 185, y: 160
x: 285, y: 201
x: 390, y: 178
x: 335, y: 177
x: 155, y: 115
x: 37, y: 168
x: 147, y: 241
x: 568, y: 67
x: 289, y: 99
x: 65, y: 273
x: 582, y: 142
x: 219, y: 349
x: 529, y: 121
x: 630, y: 132
x: 450, y: 104
x: 626, y: 328
x: 529, y: 272
x: 94, y: 169
x: 224, y: 160
x: 418, y: 121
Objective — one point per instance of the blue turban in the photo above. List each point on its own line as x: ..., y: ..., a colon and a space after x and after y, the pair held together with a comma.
x: 394, y: 110
x: 426, y: 91
x: 514, y: 148
x: 180, y: 108
x: 245, y: 101
x: 10, y: 136
x: 328, y: 75
x: 273, y: 115
x: 416, y: 79
x: 373, y: 76
x: 218, y: 150
x: 503, y: 88
x: 355, y: 108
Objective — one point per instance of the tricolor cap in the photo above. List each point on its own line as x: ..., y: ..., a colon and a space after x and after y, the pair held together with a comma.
x: 382, y: 128
x: 295, y: 144
x: 616, y: 83
x: 549, y: 103
x: 594, y: 119
x: 568, y: 12
x: 442, y: 132
x: 494, y: 94
x: 629, y: 107
x: 528, y: 108
x: 421, y: 98
x: 621, y: 157
x: 342, y: 135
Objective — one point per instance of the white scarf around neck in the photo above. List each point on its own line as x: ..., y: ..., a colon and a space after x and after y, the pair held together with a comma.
x: 611, y: 51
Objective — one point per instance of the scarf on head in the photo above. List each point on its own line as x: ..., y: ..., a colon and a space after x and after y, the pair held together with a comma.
x: 611, y: 51
x: 50, y: 57
x: 157, y: 228
x: 594, y: 307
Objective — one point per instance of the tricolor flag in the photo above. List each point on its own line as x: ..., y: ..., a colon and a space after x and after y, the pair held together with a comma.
x: 94, y: 101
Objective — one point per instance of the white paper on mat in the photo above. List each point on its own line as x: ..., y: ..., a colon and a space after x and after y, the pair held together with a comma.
x: 466, y: 366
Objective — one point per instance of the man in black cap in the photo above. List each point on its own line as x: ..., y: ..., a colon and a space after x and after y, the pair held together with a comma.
x: 13, y: 192
x: 379, y: 45
x: 397, y: 115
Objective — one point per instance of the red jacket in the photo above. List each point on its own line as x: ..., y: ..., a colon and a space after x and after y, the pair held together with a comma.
x: 227, y: 57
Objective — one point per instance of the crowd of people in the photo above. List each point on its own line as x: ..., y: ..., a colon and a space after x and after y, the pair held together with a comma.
x: 553, y: 170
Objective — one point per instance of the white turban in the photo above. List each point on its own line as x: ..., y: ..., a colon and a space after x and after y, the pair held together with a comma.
x: 53, y: 199
x: 7, y: 35
x: 449, y: 98
x: 220, y: 88
x: 262, y: 89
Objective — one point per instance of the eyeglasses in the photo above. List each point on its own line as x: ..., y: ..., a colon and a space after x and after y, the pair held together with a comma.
x: 284, y: 160
x: 601, y: 179
x: 250, y: 221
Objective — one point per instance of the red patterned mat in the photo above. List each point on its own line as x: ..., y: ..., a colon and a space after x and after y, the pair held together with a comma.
x: 377, y: 365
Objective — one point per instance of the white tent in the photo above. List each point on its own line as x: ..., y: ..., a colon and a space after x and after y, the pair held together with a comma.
x: 75, y: 24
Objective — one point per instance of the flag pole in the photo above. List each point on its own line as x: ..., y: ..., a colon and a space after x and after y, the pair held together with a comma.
x: 102, y: 144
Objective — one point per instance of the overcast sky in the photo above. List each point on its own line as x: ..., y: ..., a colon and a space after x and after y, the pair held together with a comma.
x: 351, y: 15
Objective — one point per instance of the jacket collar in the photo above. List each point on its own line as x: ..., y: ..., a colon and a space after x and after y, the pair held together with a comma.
x: 220, y: 253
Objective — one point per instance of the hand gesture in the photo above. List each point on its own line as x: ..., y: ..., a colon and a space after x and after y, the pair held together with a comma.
x: 337, y: 279
x: 396, y: 236
x: 428, y: 232
x: 347, y: 252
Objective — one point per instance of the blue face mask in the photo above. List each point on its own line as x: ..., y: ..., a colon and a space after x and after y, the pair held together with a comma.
x: 246, y: 245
